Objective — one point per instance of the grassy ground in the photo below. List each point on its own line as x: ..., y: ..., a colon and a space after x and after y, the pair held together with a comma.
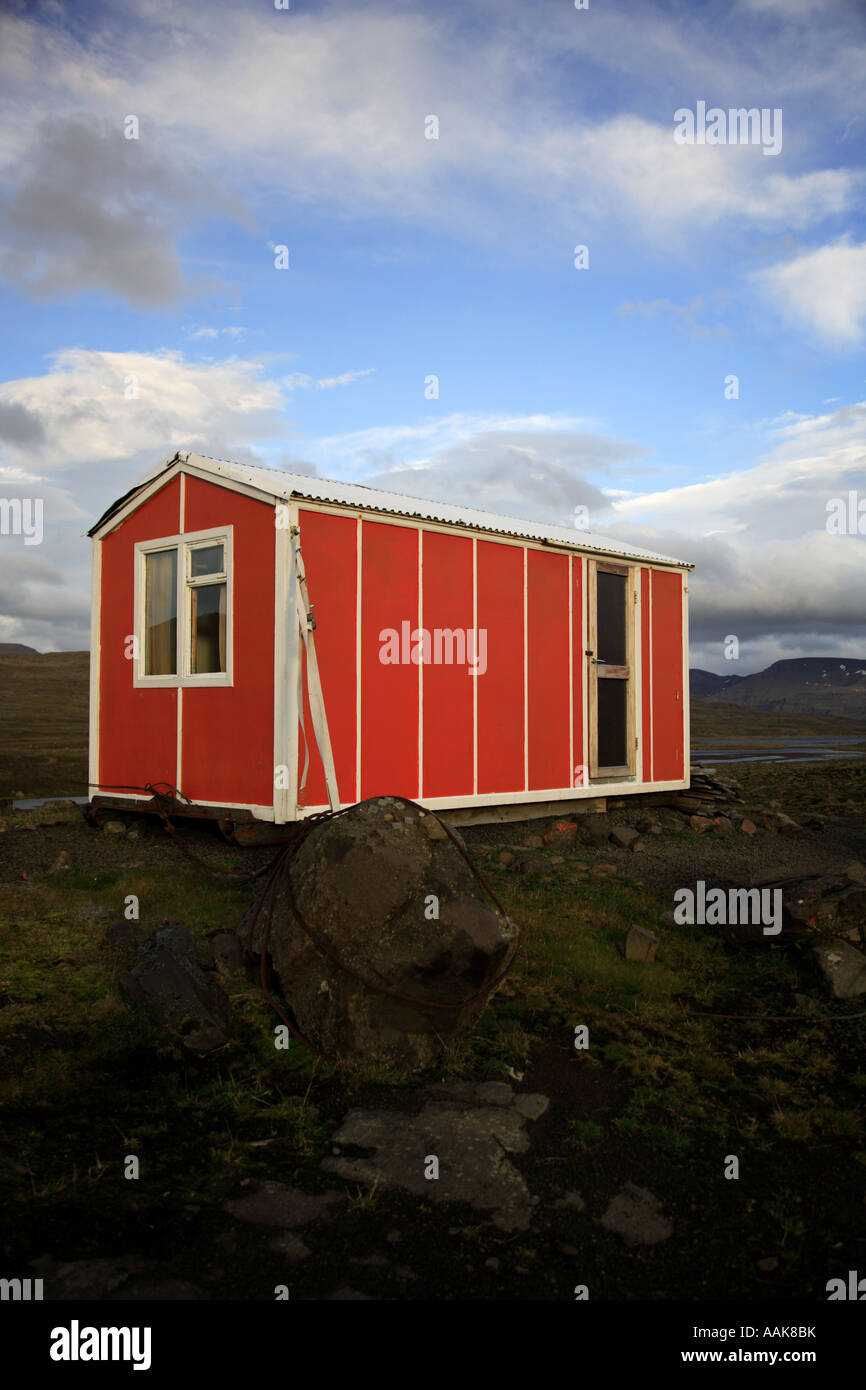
x: 711, y: 720
x: 686, y: 1063
x: 664, y: 1093
x: 43, y: 721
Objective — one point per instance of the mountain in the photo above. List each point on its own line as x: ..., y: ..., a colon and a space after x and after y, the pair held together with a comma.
x: 804, y: 685
x: 17, y: 649
x: 703, y: 685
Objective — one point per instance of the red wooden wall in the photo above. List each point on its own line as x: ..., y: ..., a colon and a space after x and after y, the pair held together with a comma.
x: 227, y: 744
x: 137, y: 728
x: 448, y: 690
x: 667, y: 675
x: 228, y: 731
x: 329, y: 552
x: 500, y: 691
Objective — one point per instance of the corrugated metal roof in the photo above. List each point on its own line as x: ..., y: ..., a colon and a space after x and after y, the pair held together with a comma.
x: 286, y: 485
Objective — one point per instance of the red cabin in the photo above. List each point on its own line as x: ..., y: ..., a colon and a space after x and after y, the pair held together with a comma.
x: 270, y: 644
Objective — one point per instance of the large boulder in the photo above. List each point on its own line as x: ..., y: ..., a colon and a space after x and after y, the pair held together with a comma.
x: 404, y: 915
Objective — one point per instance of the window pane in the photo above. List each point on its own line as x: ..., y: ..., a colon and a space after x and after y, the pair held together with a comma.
x: 208, y: 628
x: 206, y: 559
x: 610, y: 590
x: 612, y: 722
x: 160, y: 613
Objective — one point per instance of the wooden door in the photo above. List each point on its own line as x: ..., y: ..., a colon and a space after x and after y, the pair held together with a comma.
x: 610, y: 670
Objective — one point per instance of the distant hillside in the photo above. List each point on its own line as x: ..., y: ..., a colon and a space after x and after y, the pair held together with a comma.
x: 804, y: 685
x: 17, y: 649
x: 43, y: 723
x: 704, y: 685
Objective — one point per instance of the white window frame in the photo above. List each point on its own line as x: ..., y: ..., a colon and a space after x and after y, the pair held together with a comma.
x: 192, y: 540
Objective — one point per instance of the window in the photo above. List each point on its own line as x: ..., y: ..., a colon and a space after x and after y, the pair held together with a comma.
x: 183, y: 610
x: 207, y: 597
x: 160, y: 624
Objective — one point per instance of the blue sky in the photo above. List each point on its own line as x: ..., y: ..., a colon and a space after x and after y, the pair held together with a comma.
x: 152, y: 260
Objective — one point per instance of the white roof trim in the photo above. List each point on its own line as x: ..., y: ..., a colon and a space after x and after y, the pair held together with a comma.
x: 274, y: 483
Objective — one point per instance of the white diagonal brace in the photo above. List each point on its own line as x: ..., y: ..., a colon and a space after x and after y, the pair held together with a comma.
x: 307, y: 623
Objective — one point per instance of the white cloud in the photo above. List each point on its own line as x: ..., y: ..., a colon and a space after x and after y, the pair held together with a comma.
x: 302, y: 381
x: 235, y: 332
x: 100, y: 406
x: 823, y: 291
x: 350, y: 89
x: 327, y: 382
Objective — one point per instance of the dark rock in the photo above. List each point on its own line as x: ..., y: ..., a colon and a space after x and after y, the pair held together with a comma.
x: 640, y: 944
x: 531, y: 1105
x: 178, y: 994
x: 274, y: 1204
x: 290, y: 1246
x: 364, y: 889
x: 635, y: 1214
x: 228, y: 953
x: 125, y: 1277
x: 175, y: 938
x: 571, y: 1201
x: 624, y: 836
x: 594, y: 829
x: 476, y: 1139
x: 563, y: 835
x: 843, y: 968
x: 494, y: 1093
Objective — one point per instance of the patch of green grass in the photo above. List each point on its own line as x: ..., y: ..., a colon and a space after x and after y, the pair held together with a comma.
x: 584, y: 1135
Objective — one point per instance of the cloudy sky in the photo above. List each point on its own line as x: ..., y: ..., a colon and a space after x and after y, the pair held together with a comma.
x: 155, y: 157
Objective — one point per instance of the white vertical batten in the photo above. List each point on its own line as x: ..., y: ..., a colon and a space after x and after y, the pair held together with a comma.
x: 587, y: 671
x: 284, y: 696
x: 648, y: 770
x: 95, y: 659
x: 293, y: 660
x: 421, y: 664
x: 525, y: 675
x: 475, y: 677
x: 687, y: 742
x: 181, y: 624
x: 637, y: 669
x: 359, y: 556
x: 570, y: 673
